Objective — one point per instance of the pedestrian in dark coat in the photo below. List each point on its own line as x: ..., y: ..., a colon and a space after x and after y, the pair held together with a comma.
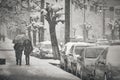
x: 27, y: 50
x: 18, y: 47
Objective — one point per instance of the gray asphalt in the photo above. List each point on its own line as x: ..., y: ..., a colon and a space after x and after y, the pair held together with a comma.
x: 38, y: 70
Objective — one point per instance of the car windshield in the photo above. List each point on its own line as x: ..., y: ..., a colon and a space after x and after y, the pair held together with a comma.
x: 93, y: 52
x: 46, y: 46
x: 78, y: 50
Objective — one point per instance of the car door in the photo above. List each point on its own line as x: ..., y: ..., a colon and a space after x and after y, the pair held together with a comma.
x: 77, y: 52
x: 62, y: 55
x: 80, y: 61
x: 70, y: 57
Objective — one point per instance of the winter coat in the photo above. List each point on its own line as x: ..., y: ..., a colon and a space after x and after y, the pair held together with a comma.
x: 27, y: 47
x: 18, y: 47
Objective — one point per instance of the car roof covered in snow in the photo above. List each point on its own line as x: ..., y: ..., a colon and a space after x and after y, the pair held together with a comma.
x: 79, y: 44
x: 46, y: 42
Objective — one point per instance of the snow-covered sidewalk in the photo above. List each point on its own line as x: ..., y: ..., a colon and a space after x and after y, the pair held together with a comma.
x: 7, y: 45
x: 39, y: 69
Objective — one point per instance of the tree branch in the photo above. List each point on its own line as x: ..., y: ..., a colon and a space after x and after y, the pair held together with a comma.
x: 58, y: 10
x: 57, y: 15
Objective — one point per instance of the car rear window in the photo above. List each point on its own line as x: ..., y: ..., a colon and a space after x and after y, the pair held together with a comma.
x: 93, y: 52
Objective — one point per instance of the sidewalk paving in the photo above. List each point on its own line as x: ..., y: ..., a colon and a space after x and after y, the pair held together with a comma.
x: 39, y: 69
x: 8, y: 46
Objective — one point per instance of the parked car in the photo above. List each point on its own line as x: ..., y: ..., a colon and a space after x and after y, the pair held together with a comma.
x: 86, y: 63
x: 102, y: 42
x: 70, y: 53
x: 100, y: 63
x: 35, y: 52
x: 112, y: 65
x: 63, y: 54
x: 45, y: 48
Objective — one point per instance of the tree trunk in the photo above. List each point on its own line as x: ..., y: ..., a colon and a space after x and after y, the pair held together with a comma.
x: 34, y: 37
x: 54, y: 41
x: 41, y: 34
x: 29, y: 33
x: 112, y: 34
x: 87, y: 34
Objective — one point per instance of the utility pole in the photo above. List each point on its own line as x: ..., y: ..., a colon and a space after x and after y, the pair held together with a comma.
x: 104, y: 18
x: 103, y: 22
x: 84, y: 25
x: 67, y: 20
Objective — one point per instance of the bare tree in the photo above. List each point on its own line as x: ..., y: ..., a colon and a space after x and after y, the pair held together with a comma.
x: 52, y: 15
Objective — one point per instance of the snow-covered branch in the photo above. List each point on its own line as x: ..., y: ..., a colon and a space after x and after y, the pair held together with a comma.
x: 62, y: 21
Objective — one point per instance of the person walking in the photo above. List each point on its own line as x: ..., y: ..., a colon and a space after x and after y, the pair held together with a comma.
x: 27, y: 50
x: 18, y: 47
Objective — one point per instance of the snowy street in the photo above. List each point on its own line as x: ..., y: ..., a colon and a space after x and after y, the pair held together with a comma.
x: 39, y: 69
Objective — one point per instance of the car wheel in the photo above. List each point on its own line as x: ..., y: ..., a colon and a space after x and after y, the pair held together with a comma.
x: 72, y: 68
x: 61, y: 65
x: 65, y: 66
x: 77, y: 71
x: 41, y: 55
x: 81, y: 74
